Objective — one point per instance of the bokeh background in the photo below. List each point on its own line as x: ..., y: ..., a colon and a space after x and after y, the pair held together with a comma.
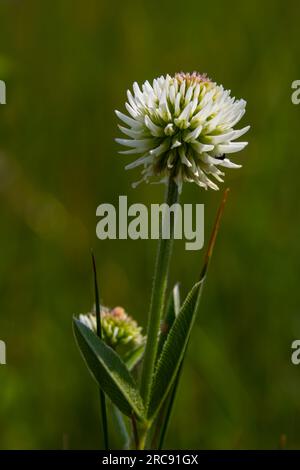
x: 67, y: 65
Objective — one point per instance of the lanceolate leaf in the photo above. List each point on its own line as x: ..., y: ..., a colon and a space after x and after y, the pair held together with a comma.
x: 173, y: 350
x: 109, y: 371
x: 172, y: 310
x: 169, y: 407
x: 177, y: 340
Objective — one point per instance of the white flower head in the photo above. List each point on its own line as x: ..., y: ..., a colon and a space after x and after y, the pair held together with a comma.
x: 183, y: 126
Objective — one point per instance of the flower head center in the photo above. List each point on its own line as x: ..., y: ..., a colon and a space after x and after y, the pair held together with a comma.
x: 191, y: 78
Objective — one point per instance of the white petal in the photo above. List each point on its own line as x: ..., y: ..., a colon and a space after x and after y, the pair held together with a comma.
x: 137, y: 183
x: 164, y: 112
x: 154, y: 129
x: 171, y: 159
x: 169, y: 129
x: 197, y: 91
x: 134, y: 113
x: 209, y: 159
x: 175, y: 143
x: 234, y: 121
x: 135, y: 142
x: 199, y: 147
x: 138, y: 162
x: 230, y: 148
x: 131, y: 99
x: 182, y: 88
x: 136, y: 88
x: 172, y: 94
x: 226, y: 163
x: 202, y: 114
x: 130, y: 132
x: 188, y: 95
x: 177, y: 104
x: 183, y: 158
x: 218, y: 139
x: 240, y: 132
x: 128, y: 120
x: 132, y: 151
x: 186, y: 112
x: 161, y: 148
x: 193, y: 135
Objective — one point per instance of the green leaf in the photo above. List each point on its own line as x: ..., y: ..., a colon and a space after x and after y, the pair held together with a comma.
x: 174, y: 349
x: 175, y: 346
x: 169, y: 403
x: 109, y: 371
x: 132, y: 358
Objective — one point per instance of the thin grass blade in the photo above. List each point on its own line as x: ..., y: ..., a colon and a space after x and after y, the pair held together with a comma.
x: 99, y: 334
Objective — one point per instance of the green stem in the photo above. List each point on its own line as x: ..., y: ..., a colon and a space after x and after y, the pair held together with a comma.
x: 143, y: 436
x: 158, y: 295
x: 135, y: 432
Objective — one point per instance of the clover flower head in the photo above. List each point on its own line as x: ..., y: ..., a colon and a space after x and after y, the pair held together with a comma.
x: 183, y: 127
x: 118, y: 328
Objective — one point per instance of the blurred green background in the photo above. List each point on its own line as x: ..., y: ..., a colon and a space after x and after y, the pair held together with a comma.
x: 67, y: 65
